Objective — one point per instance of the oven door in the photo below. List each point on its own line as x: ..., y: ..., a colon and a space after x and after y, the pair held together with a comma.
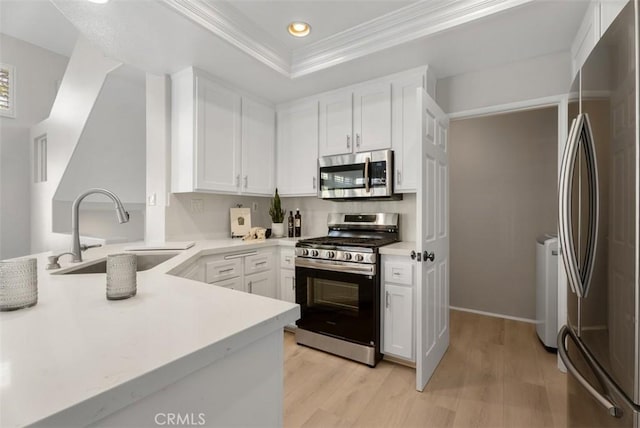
x: 339, y: 304
x: 356, y: 176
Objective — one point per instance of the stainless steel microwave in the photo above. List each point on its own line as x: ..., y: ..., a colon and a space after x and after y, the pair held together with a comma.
x: 359, y: 175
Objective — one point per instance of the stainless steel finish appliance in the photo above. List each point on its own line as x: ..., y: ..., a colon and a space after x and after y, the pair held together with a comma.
x: 359, y: 175
x: 599, y: 228
x: 338, y: 286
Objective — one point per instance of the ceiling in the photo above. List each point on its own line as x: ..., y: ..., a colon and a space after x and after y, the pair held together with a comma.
x: 246, y: 44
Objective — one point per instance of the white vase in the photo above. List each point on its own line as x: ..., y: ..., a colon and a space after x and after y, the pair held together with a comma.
x: 277, y: 230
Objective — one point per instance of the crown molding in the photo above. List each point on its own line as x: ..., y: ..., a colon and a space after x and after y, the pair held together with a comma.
x: 409, y: 23
x: 230, y: 25
x: 417, y: 20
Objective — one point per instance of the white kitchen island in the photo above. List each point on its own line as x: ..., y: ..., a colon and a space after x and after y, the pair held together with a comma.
x: 179, y: 351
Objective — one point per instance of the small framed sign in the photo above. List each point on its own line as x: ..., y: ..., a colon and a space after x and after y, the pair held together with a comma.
x: 240, y: 221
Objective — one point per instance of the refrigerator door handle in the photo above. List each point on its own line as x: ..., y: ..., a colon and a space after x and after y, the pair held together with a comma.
x: 594, y: 202
x: 565, y: 230
x: 613, y: 409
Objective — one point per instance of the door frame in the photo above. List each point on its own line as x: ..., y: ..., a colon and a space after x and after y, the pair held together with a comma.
x: 561, y: 102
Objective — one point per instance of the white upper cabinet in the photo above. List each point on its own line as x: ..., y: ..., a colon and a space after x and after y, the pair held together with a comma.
x: 336, y: 123
x: 297, y: 149
x: 222, y: 141
x: 597, y: 18
x: 258, y: 148
x: 405, y: 136
x: 372, y: 117
x: 356, y: 119
x: 218, y: 137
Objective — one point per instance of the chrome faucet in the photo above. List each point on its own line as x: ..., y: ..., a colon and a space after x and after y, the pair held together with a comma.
x: 123, y: 217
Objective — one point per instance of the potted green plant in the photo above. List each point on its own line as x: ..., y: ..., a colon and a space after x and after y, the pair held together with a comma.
x: 277, y: 216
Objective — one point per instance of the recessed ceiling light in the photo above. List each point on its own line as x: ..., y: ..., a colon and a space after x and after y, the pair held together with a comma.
x: 99, y: 1
x: 299, y: 29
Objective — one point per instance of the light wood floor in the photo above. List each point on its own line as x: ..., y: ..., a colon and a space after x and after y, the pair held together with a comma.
x: 494, y: 374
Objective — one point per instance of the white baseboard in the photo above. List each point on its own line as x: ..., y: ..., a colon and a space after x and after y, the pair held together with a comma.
x: 491, y: 314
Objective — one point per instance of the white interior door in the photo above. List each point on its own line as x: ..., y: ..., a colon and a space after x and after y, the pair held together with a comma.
x: 432, y: 240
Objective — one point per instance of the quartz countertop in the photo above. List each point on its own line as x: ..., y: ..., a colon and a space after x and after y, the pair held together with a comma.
x: 402, y: 248
x: 77, y: 350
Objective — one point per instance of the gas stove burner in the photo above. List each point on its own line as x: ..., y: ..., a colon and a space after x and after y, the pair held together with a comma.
x: 353, y: 238
x: 336, y: 241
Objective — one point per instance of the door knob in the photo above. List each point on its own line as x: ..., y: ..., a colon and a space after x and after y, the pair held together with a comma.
x: 429, y: 256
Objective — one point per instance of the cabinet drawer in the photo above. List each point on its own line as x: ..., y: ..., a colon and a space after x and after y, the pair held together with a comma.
x: 258, y: 263
x: 398, y: 273
x: 233, y: 284
x: 222, y: 269
x: 288, y: 258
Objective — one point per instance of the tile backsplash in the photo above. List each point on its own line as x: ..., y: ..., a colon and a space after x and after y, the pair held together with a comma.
x: 194, y: 216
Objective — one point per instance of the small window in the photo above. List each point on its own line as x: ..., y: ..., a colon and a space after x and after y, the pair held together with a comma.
x: 7, y: 91
x: 40, y: 159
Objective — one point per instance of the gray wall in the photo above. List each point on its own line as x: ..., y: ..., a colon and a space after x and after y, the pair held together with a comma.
x: 503, y: 195
x: 38, y: 72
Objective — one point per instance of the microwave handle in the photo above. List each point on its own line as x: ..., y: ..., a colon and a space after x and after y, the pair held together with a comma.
x: 367, y: 180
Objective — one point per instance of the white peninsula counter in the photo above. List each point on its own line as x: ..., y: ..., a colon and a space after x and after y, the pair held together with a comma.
x: 179, y: 350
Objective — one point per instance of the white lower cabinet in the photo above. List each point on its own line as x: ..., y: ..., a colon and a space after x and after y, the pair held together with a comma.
x: 250, y: 271
x: 262, y: 284
x: 288, y: 285
x: 233, y: 284
x: 398, y: 308
x: 288, y: 274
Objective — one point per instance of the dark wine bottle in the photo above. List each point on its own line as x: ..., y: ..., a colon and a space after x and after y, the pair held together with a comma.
x: 290, y: 224
x: 298, y: 223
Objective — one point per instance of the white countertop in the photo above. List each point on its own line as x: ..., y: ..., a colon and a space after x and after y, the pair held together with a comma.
x: 402, y: 248
x: 77, y: 350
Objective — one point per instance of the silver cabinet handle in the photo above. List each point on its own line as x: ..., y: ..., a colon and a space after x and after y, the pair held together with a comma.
x: 226, y: 270
x: 237, y: 256
x: 246, y: 181
x: 399, y: 177
x: 367, y: 185
x: 314, y: 183
x: 293, y: 283
x: 358, y: 140
x: 348, y: 141
x: 250, y: 287
x: 613, y: 410
x: 386, y: 298
x: 287, y: 259
x: 238, y: 180
x: 261, y: 264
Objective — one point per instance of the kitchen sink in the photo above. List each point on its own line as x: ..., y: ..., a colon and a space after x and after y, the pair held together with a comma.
x: 145, y: 262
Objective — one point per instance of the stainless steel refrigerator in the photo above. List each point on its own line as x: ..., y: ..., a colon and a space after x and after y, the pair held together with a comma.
x: 598, y: 232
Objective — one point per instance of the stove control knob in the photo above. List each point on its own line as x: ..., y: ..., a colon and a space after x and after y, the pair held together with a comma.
x: 347, y: 256
x: 304, y: 252
x: 331, y: 254
x: 314, y: 253
x: 359, y: 257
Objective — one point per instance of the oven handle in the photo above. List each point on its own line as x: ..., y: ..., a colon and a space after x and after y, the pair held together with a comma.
x: 367, y: 180
x: 358, y: 269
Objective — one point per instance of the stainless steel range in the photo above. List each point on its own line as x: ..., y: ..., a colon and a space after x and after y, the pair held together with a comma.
x: 338, y: 285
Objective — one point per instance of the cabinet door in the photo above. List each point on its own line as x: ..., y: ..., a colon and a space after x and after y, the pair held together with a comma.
x: 398, y: 321
x: 258, y: 148
x: 288, y: 285
x: 336, y: 124
x: 233, y: 284
x: 297, y: 152
x: 218, y: 135
x: 263, y: 284
x: 372, y: 117
x: 222, y: 269
x: 405, y: 136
